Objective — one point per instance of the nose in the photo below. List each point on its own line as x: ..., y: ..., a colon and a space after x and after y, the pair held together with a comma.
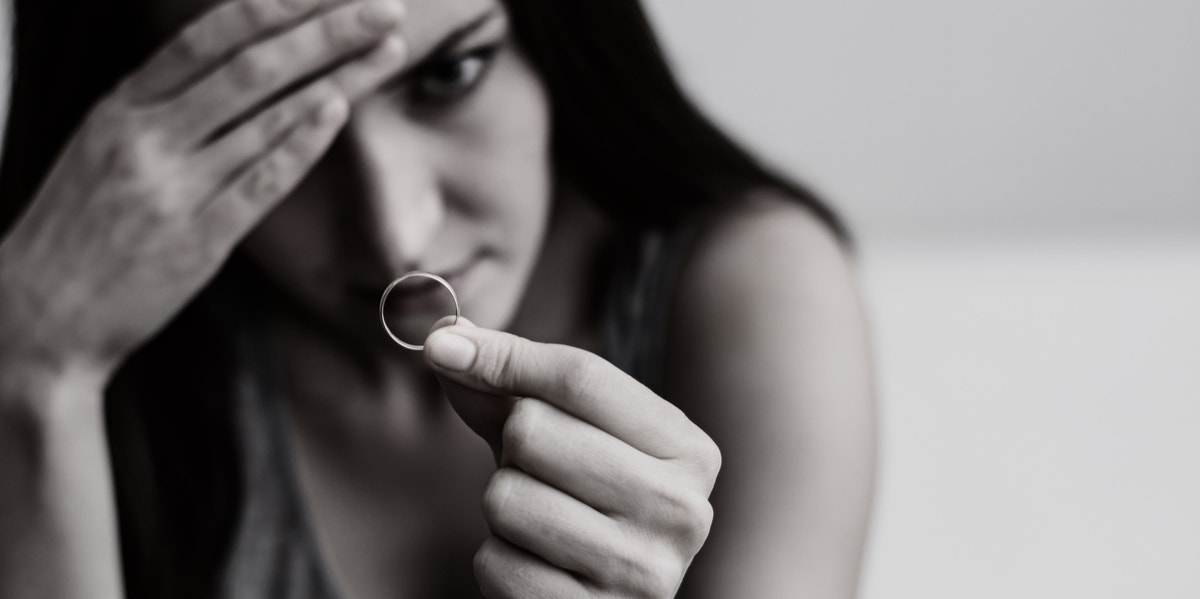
x: 400, y: 203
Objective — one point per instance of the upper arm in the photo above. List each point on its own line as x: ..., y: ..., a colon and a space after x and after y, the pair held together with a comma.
x: 768, y: 353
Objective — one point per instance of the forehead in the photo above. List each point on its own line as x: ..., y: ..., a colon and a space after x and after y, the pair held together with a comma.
x: 425, y: 24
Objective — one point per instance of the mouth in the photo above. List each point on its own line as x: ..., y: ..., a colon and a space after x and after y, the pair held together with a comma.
x: 417, y: 296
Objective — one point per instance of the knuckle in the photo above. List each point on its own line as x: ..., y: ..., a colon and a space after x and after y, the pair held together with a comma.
x: 693, y: 521
x: 259, y: 13
x: 483, y: 564
x: 581, y: 373
x: 104, y: 128
x: 638, y: 572
x: 485, y: 567
x: 337, y: 28
x: 499, y: 490
x: 277, y: 120
x: 700, y: 456
x: 520, y: 429
x: 320, y: 91
x: 287, y: 114
x: 163, y: 208
x: 656, y: 575
x: 132, y: 155
x: 286, y: 46
x: 702, y: 522
x: 684, y: 516
x: 299, y: 149
x: 499, y: 363
x: 609, y: 572
x: 251, y: 68
x: 191, y: 45
x: 109, y: 113
x: 707, y: 456
x: 265, y: 181
x: 326, y: 92
x: 666, y: 579
x: 611, y: 569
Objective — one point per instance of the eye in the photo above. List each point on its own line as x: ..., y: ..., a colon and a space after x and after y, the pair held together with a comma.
x: 448, y: 80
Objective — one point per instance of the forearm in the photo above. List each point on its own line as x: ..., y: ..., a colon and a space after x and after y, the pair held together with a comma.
x: 58, y: 534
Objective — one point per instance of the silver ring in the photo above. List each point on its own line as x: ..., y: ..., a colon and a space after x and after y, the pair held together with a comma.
x: 412, y: 275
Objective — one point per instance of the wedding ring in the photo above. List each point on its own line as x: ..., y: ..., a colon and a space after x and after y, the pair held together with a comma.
x: 413, y: 275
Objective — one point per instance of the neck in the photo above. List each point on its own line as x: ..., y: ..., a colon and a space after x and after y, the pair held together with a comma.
x: 561, y: 301
x: 356, y: 406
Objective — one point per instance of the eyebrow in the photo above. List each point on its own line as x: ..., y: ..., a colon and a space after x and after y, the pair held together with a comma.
x: 443, y: 47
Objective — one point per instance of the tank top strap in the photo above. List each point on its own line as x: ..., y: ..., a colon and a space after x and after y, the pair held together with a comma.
x: 638, y: 301
x: 274, y: 551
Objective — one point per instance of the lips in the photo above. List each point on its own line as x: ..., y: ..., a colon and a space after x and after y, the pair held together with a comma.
x: 418, y: 295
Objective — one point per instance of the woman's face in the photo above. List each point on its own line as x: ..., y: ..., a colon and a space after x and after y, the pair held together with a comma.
x: 445, y: 169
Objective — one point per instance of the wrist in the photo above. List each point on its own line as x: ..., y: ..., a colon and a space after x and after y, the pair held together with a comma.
x: 40, y: 391
x: 34, y: 360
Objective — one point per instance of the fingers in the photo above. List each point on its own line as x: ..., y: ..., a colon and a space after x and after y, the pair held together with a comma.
x: 581, y: 488
x: 597, y: 468
x: 505, y: 571
x: 237, y: 209
x: 229, y: 154
x: 573, y: 380
x: 210, y: 39
x: 255, y: 74
x: 559, y: 528
x: 652, y: 496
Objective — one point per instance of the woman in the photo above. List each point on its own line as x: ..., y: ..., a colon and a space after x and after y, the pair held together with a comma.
x: 198, y: 399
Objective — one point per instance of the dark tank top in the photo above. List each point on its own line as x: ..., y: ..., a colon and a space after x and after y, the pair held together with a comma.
x: 274, y: 549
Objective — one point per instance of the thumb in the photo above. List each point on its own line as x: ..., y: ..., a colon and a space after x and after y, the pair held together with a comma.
x: 484, y: 413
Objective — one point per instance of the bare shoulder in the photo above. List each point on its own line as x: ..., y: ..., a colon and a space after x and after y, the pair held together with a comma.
x: 767, y: 259
x: 767, y: 308
x: 767, y: 352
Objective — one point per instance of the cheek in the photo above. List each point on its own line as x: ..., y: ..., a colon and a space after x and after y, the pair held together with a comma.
x: 506, y: 168
x: 504, y: 136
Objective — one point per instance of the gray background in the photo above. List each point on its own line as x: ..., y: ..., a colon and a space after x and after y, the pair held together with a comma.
x: 932, y: 116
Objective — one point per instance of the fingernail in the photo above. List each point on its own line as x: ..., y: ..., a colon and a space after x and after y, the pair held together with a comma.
x: 379, y: 16
x: 450, y: 351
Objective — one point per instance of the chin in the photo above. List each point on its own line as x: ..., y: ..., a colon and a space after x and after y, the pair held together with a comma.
x: 491, y: 298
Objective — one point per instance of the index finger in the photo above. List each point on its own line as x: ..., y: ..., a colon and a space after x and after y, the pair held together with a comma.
x: 215, y: 36
x: 576, y: 381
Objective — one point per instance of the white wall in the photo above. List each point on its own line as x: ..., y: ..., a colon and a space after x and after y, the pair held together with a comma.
x: 1041, y: 407
x: 926, y: 116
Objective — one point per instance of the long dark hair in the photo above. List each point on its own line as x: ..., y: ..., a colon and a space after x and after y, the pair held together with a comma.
x: 624, y: 134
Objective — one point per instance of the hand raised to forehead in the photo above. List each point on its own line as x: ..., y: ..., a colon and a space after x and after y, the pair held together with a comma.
x: 186, y: 156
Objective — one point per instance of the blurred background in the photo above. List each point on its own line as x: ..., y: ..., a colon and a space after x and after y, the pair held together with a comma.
x: 1024, y: 181
x: 1023, y: 178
